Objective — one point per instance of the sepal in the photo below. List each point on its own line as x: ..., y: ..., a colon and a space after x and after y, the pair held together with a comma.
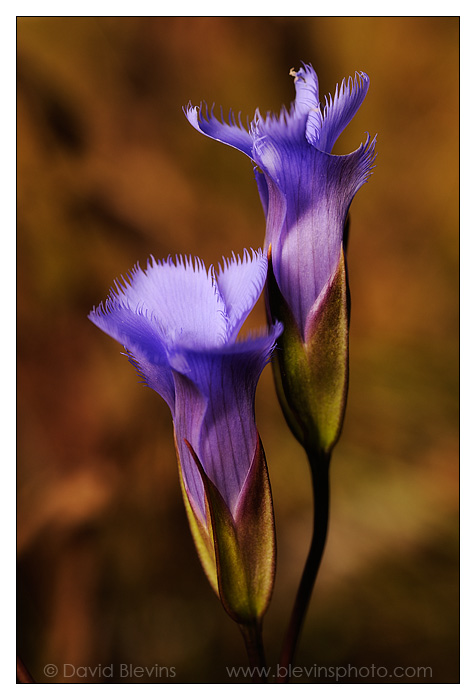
x: 244, y: 544
x: 201, y: 532
x: 288, y: 355
x: 327, y: 344
x: 254, y: 519
x: 311, y: 373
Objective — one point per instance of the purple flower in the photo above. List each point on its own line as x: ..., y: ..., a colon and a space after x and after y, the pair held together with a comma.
x: 306, y: 192
x: 179, y: 323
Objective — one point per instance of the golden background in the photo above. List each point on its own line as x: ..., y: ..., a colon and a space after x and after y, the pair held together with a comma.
x: 109, y: 172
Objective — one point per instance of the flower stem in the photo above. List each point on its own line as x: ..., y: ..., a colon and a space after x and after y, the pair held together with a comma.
x: 319, y: 463
x: 252, y: 634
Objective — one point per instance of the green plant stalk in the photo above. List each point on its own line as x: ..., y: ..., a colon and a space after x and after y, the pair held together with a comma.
x: 319, y: 464
x: 252, y: 635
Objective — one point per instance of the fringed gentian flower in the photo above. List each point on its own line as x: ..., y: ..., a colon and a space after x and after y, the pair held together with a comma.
x: 179, y: 324
x: 306, y: 193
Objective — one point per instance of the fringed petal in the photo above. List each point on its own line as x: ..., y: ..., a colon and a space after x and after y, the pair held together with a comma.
x: 143, y: 339
x: 288, y: 127
x: 182, y: 297
x: 307, y: 89
x: 240, y: 282
x: 232, y: 133
x: 323, y: 131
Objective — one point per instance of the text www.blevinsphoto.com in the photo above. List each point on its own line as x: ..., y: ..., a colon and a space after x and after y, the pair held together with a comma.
x: 331, y: 673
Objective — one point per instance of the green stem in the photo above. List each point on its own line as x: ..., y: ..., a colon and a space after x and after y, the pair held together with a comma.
x: 252, y: 634
x: 319, y: 463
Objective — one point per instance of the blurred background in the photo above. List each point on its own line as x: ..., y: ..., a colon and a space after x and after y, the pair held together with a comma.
x: 109, y: 172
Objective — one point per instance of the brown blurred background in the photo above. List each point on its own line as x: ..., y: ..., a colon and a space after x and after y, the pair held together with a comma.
x: 109, y: 172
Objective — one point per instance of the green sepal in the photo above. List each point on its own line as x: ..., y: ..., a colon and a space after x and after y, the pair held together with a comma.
x: 202, y: 534
x: 311, y: 373
x: 245, y: 545
x: 254, y: 520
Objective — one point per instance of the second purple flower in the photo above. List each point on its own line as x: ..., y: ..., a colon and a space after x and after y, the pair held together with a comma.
x: 179, y: 323
x: 306, y: 192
